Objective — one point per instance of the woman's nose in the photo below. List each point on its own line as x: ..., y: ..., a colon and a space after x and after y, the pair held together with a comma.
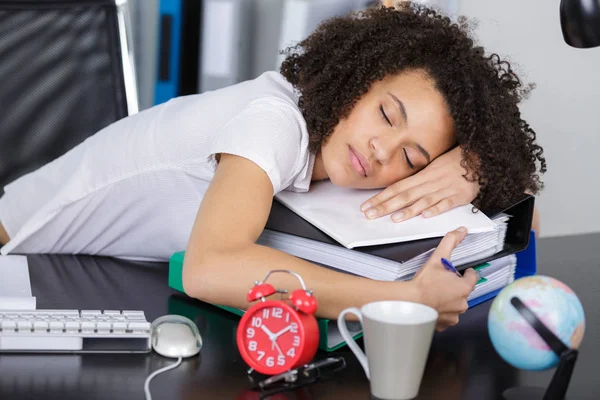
x: 384, y: 147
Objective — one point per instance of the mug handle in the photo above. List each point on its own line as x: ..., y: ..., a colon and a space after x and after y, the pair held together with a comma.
x: 341, y: 322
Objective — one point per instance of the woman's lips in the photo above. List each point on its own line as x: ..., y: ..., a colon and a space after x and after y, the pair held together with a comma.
x: 358, y: 162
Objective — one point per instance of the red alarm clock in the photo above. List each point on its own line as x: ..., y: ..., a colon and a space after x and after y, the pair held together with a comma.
x: 275, y: 336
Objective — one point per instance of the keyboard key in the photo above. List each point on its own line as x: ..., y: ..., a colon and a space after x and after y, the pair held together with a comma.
x: 24, y: 326
x: 88, y: 327
x: 134, y: 314
x: 62, y: 313
x: 119, y: 327
x: 8, y: 313
x: 138, y: 327
x: 8, y: 325
x: 56, y: 326
x: 40, y: 326
x: 72, y: 327
x: 103, y: 327
x: 90, y: 313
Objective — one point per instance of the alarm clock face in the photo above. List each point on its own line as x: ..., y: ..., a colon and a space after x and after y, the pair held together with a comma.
x: 271, y: 337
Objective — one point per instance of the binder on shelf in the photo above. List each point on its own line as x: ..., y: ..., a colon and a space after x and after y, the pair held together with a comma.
x: 226, y: 43
x: 179, y: 46
x: 145, y: 39
x: 299, y: 18
x: 169, y: 43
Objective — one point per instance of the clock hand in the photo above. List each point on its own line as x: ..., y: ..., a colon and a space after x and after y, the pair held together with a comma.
x: 277, y: 346
x: 275, y: 336
x: 272, y: 337
x: 281, y: 332
x: 268, y: 332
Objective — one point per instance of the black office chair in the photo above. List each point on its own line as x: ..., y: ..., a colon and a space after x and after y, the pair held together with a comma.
x: 66, y: 71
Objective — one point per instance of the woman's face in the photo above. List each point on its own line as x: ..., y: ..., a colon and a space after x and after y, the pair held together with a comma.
x: 393, y: 131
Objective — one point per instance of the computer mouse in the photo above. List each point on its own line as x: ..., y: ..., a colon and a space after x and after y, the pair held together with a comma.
x: 175, y: 336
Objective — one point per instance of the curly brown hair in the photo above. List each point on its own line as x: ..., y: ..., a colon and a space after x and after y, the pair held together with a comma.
x: 341, y: 59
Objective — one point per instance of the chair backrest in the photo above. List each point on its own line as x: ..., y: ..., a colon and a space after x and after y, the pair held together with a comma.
x: 66, y: 71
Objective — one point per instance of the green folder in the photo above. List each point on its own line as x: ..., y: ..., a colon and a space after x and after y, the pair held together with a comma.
x: 329, y: 337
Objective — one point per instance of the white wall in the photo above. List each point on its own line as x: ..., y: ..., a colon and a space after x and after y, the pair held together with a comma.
x: 564, y: 109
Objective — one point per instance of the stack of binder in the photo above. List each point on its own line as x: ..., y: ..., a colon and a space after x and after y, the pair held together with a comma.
x: 500, y: 255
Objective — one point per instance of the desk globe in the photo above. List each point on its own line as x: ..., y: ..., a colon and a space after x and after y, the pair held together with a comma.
x: 554, y: 303
x: 541, y: 300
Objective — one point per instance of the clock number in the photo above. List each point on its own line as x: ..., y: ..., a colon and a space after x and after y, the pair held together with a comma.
x: 281, y: 360
x: 261, y: 354
x: 294, y: 328
x: 250, y: 333
x: 277, y: 312
x: 256, y: 321
x: 296, y: 341
x: 287, y: 317
x: 291, y: 352
x: 270, y: 361
x: 252, y: 345
x: 266, y: 313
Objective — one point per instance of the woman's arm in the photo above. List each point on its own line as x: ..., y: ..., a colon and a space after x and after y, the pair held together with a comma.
x: 223, y: 261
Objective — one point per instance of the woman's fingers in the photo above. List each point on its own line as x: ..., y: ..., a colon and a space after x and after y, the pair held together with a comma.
x: 391, y: 191
x: 447, y: 245
x: 452, y: 312
x: 406, y: 203
x: 470, y: 277
x: 444, y: 204
x: 446, y: 321
x: 422, y: 205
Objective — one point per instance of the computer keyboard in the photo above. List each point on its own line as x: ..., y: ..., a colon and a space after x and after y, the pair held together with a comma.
x: 74, y: 331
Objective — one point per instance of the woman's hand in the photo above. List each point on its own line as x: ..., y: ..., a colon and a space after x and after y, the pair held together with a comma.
x: 438, y: 188
x: 441, y: 289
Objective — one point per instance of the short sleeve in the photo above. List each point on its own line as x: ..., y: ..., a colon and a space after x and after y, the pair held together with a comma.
x: 269, y: 133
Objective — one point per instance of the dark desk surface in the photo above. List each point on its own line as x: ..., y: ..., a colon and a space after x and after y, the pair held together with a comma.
x: 462, y: 364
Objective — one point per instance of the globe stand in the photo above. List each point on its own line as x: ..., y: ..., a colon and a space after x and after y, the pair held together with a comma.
x: 559, y: 384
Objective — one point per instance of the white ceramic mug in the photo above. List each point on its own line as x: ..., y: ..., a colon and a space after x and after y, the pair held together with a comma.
x: 397, y: 337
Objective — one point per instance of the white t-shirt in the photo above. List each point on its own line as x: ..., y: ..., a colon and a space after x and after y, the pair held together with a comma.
x: 133, y: 189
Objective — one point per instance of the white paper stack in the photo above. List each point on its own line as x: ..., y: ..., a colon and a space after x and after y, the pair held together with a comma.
x: 474, y: 247
x: 336, y: 211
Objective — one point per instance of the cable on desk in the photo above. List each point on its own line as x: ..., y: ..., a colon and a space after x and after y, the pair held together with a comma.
x: 159, y: 371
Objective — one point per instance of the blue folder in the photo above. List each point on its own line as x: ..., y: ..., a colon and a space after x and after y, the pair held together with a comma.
x: 167, y: 82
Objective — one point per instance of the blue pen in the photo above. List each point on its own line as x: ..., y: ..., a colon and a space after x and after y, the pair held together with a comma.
x: 449, y: 267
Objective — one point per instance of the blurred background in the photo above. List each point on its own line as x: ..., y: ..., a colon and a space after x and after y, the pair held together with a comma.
x: 240, y: 39
x: 183, y: 47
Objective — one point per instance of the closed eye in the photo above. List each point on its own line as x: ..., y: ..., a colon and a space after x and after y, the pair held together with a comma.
x: 410, y: 164
x: 384, y: 115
